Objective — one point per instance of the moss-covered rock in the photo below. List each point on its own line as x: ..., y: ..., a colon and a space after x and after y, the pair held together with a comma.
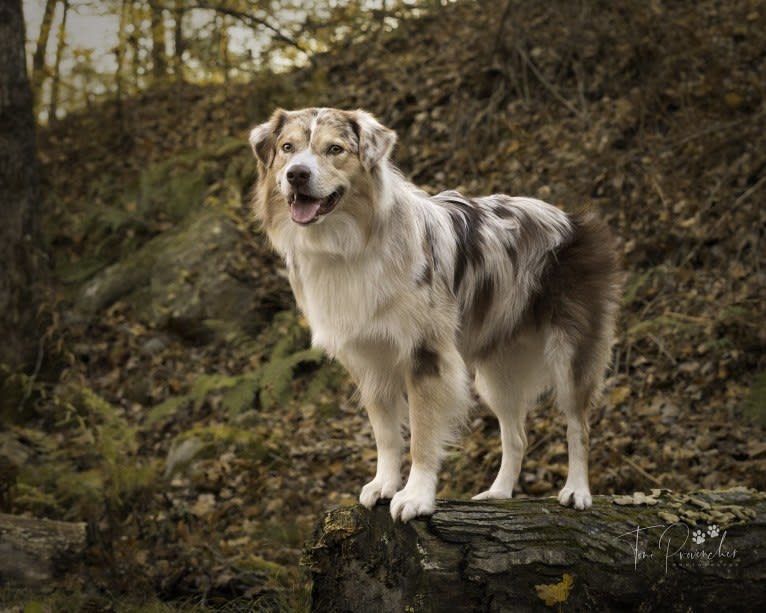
x: 182, y: 280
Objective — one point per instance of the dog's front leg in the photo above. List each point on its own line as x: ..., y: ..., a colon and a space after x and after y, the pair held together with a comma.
x: 381, y: 386
x: 386, y: 416
x: 438, y: 394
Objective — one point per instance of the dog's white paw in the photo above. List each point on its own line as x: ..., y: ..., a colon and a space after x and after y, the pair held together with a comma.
x: 377, y: 489
x: 493, y: 495
x: 408, y: 503
x: 577, y: 497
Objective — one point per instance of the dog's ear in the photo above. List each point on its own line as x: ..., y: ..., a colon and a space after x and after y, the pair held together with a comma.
x: 264, y: 137
x: 375, y: 140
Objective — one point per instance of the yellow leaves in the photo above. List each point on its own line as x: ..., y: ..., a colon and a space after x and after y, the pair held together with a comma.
x: 733, y: 100
x: 619, y: 395
x: 638, y: 499
x: 556, y: 593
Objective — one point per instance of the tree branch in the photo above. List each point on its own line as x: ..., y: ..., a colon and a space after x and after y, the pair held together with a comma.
x: 250, y: 20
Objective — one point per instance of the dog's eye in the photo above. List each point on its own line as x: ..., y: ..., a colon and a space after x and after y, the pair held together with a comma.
x: 334, y: 149
x: 287, y: 147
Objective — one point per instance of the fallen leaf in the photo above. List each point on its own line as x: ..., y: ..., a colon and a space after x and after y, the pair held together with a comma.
x: 556, y: 593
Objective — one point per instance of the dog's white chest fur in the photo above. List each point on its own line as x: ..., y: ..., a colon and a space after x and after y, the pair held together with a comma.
x: 354, y: 301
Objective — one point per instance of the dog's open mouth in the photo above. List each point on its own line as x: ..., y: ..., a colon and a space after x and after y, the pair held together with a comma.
x: 306, y: 209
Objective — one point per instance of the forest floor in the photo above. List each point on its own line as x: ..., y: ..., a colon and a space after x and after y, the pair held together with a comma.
x: 179, y: 410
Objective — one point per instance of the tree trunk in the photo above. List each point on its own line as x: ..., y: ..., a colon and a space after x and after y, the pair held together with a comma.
x: 644, y: 554
x: 20, y: 264
x: 134, y: 41
x: 159, y: 53
x: 38, y: 59
x: 34, y: 551
x: 56, y: 76
x: 223, y: 47
x: 178, y: 40
x: 120, y: 52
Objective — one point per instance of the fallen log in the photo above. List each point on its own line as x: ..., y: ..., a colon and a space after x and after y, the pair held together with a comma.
x: 662, y: 551
x: 34, y: 551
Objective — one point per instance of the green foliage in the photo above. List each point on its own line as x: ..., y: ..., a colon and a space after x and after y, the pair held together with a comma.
x: 13, y: 387
x: 271, y: 384
x: 277, y: 376
x: 214, y: 438
x: 88, y: 463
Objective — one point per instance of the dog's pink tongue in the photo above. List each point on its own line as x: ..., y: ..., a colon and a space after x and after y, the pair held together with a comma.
x: 304, y: 210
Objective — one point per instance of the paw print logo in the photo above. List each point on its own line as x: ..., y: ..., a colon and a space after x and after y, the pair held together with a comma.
x: 713, y: 531
x: 698, y: 536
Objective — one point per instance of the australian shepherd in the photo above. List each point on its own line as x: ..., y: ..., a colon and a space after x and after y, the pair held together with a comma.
x: 417, y: 294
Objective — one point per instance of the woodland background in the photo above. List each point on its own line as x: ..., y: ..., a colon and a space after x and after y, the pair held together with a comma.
x: 165, y: 392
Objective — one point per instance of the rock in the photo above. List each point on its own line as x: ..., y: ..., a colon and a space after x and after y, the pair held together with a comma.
x: 181, y: 454
x: 35, y: 551
x: 182, y: 281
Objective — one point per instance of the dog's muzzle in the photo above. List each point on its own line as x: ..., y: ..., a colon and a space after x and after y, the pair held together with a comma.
x: 306, y: 208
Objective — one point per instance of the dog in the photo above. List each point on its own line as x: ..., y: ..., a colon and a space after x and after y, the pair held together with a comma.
x: 416, y: 295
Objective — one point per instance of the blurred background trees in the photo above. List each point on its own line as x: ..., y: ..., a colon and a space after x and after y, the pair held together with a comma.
x: 137, y: 43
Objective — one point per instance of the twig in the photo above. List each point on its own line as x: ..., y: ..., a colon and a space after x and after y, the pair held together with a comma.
x: 539, y: 442
x: 661, y: 348
x: 640, y: 470
x: 550, y: 87
x: 746, y: 194
x: 692, y: 319
x: 501, y: 30
x: 250, y: 20
x: 718, y: 127
x: 740, y: 199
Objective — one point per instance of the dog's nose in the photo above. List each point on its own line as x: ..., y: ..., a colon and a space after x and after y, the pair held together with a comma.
x: 298, y: 175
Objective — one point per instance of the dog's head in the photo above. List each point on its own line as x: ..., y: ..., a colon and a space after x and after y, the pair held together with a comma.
x: 315, y: 161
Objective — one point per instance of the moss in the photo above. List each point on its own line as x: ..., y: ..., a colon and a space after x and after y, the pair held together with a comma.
x: 257, y: 564
x: 216, y: 437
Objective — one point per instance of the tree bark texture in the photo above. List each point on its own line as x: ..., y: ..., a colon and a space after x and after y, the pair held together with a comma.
x: 19, y: 194
x: 665, y: 551
x: 34, y: 551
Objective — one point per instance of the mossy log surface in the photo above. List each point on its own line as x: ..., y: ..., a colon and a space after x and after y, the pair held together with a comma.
x: 34, y: 551
x: 664, y: 551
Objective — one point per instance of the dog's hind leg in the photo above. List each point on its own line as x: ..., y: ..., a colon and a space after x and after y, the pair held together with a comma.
x: 510, y: 382
x: 439, y: 398
x: 573, y: 397
x: 574, y: 402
